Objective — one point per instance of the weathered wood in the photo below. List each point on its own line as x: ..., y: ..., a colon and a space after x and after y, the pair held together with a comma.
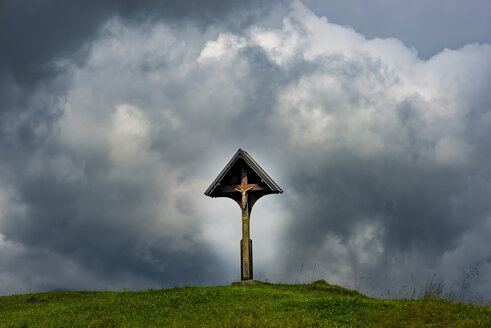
x: 244, y: 169
x: 243, y: 188
x: 242, y: 263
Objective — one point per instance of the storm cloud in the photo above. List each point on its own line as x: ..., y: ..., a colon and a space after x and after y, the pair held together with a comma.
x: 109, y: 139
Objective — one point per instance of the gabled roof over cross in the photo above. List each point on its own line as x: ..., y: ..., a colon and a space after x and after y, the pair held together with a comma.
x: 229, y: 177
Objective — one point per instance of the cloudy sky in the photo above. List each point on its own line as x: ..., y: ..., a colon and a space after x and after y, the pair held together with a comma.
x: 373, y: 116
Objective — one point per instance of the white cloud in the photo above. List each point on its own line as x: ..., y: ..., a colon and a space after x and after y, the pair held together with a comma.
x: 224, y: 48
x: 128, y: 135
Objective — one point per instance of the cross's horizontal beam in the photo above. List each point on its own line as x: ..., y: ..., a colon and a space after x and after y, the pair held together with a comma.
x: 255, y: 187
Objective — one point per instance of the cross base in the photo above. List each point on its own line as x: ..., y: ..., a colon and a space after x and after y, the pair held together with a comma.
x: 245, y: 268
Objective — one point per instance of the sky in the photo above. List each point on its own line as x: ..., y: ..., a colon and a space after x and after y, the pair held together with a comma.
x: 374, y: 117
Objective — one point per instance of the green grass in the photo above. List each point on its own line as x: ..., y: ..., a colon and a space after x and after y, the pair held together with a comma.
x: 254, y: 305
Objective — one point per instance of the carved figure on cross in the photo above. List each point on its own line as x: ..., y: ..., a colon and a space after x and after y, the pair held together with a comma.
x: 243, y: 190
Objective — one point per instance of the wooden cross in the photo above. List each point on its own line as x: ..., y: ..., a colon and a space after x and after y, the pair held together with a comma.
x: 225, y: 185
x: 246, y: 242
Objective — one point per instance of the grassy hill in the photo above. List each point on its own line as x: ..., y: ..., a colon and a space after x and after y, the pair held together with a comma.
x: 248, y: 305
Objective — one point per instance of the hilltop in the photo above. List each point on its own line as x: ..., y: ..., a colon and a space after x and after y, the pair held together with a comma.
x: 240, y: 305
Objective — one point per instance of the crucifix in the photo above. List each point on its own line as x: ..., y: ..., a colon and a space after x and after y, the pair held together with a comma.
x: 244, y: 181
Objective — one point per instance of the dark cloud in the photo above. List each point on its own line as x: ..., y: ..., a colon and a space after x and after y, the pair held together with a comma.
x: 40, y: 38
x: 34, y: 34
x: 105, y: 158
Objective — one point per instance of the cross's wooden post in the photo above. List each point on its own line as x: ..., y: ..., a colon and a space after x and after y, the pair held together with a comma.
x: 254, y: 183
x: 246, y: 242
